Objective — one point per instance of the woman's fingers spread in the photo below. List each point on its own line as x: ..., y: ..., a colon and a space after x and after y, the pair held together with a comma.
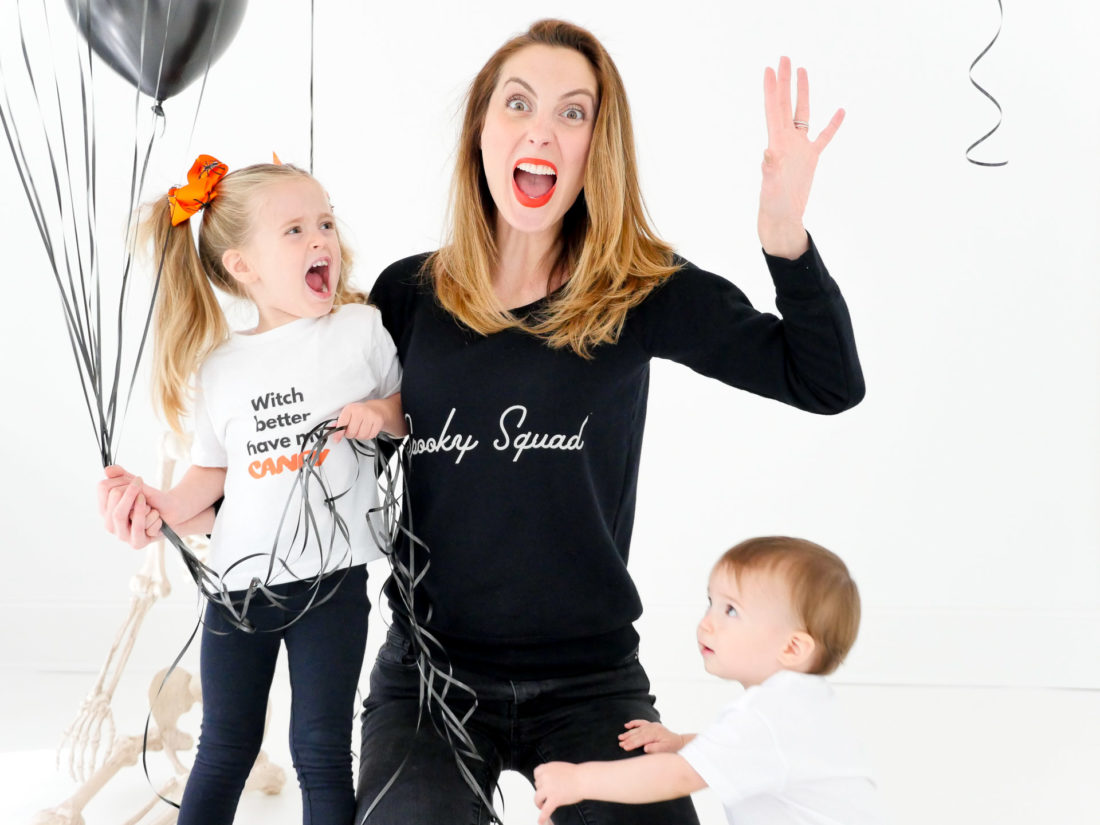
x: 830, y: 130
x: 783, y: 79
x: 802, y: 102
x: 771, y: 104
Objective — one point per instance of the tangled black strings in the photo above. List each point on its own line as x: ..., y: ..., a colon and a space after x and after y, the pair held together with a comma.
x: 391, y: 529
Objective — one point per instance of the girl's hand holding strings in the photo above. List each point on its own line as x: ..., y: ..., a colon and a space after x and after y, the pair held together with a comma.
x: 124, y: 504
x: 362, y: 420
x: 653, y: 737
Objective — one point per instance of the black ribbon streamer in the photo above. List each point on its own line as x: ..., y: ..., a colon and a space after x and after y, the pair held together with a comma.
x: 390, y: 525
x: 70, y: 240
x: 312, y: 47
x: 409, y: 562
x: 1000, y: 112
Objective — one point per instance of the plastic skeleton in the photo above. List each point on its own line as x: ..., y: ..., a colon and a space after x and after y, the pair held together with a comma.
x: 91, y: 737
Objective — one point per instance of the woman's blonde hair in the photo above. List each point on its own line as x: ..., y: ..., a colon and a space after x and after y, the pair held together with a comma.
x: 609, y: 251
x: 188, y: 321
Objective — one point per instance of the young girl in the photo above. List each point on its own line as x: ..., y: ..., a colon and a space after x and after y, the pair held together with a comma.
x: 268, y: 235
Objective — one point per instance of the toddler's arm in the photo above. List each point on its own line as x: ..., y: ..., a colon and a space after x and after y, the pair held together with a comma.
x: 365, y: 419
x: 650, y: 778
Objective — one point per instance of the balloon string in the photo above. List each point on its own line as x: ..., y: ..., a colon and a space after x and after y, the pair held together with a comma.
x: 83, y: 339
x: 149, y: 715
x: 122, y: 294
x: 206, y: 71
x: 403, y: 550
x: 87, y: 108
x: 312, y: 44
x: 163, y: 49
x: 66, y: 176
x: 1000, y: 112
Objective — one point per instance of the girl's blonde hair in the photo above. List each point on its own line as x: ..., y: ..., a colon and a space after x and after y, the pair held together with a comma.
x: 188, y: 321
x: 611, y: 254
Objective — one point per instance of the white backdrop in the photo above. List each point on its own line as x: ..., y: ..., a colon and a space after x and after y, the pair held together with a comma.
x: 963, y: 490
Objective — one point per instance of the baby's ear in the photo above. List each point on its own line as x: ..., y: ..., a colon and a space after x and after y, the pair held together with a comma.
x: 236, y: 265
x: 798, y: 653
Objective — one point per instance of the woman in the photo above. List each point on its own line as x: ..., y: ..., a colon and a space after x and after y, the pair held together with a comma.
x: 526, y: 342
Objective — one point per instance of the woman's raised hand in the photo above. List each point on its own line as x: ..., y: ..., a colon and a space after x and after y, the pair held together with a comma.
x: 789, y: 162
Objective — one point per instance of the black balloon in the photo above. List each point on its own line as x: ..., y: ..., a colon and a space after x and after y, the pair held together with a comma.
x: 191, y: 34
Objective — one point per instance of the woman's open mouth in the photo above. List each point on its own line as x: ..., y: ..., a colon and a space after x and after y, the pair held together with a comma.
x: 533, y: 181
x: 317, y: 278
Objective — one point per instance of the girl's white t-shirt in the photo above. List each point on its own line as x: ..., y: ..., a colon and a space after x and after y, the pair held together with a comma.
x: 783, y: 754
x: 258, y: 396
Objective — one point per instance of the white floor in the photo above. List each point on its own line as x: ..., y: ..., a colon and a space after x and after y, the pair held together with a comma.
x: 943, y: 755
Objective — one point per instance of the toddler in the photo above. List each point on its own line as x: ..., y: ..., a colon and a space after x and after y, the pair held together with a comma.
x: 782, y: 613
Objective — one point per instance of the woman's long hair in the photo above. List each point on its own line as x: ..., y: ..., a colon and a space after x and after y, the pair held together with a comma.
x: 188, y: 321
x: 609, y: 252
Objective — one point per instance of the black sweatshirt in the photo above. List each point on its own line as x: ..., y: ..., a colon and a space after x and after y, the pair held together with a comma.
x: 524, y: 459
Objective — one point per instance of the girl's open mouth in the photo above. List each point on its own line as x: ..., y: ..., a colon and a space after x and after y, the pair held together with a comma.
x: 533, y: 181
x: 317, y: 278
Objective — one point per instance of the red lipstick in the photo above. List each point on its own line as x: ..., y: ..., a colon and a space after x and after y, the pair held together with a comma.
x: 528, y: 200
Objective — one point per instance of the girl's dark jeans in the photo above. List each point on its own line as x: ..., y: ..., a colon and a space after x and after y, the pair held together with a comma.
x: 517, y: 725
x: 325, y: 656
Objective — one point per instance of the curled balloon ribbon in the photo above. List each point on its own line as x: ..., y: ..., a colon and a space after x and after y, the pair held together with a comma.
x: 200, y: 189
x: 1000, y: 112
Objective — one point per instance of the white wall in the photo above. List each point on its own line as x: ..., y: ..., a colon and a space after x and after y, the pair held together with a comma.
x: 962, y: 492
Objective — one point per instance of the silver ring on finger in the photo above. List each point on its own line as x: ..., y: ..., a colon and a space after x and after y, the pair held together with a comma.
x: 801, y: 124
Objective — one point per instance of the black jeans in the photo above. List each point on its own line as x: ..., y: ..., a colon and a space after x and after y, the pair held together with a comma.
x: 325, y: 656
x: 517, y: 725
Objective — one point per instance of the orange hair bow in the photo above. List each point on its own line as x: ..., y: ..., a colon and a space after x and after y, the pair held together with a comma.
x: 199, y: 190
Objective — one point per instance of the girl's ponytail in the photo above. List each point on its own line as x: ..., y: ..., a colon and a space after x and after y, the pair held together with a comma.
x: 188, y: 322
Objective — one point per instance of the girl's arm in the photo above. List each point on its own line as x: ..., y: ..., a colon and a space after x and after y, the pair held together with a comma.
x: 651, y: 778
x: 199, y: 488
x: 365, y: 419
x: 143, y: 517
x: 132, y: 510
x: 199, y: 525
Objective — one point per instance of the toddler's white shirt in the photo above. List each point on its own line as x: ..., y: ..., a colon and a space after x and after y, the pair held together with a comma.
x: 782, y: 754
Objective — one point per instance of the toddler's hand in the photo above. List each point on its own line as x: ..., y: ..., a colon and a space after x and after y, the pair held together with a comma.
x: 653, y: 737
x: 362, y: 420
x: 556, y: 784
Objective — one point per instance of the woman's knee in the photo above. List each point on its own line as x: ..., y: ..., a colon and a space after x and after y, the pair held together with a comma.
x: 409, y: 773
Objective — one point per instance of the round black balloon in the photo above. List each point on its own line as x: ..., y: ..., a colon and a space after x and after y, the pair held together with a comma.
x: 191, y: 33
